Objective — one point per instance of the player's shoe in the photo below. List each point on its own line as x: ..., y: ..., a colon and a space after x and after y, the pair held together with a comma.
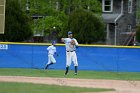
x: 75, y: 73
x: 66, y: 74
x: 46, y: 67
x: 67, y: 70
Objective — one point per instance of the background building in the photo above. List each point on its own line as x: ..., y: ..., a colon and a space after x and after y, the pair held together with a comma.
x: 120, y: 19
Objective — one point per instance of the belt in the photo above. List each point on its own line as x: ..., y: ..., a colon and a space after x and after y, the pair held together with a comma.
x: 70, y: 51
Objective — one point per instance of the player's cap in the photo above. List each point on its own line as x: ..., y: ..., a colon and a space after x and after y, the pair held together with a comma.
x: 69, y: 32
x: 53, y: 42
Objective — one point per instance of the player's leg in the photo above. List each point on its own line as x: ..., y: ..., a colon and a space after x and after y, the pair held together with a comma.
x: 52, y: 60
x: 68, y: 62
x: 67, y: 70
x: 74, y: 59
x: 49, y: 61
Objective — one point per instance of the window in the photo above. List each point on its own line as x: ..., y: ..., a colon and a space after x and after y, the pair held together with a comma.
x: 129, y: 6
x: 129, y: 27
x: 107, y: 5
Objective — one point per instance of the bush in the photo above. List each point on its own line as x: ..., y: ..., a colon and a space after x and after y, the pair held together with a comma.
x: 86, y: 27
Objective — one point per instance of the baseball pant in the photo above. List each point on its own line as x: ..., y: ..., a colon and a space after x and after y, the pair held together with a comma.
x: 51, y: 59
x: 71, y: 57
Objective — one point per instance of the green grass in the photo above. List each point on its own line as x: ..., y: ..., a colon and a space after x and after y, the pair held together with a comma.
x: 60, y: 73
x: 6, y: 87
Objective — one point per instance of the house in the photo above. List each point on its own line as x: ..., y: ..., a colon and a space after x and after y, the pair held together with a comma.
x: 120, y: 19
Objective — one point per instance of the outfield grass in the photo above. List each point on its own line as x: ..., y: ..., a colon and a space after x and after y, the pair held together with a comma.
x: 60, y: 73
x: 6, y: 87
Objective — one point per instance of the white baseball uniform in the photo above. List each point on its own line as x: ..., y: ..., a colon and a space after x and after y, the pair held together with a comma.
x: 51, y: 50
x: 70, y: 52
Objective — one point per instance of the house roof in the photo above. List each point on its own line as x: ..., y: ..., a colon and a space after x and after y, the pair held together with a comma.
x: 110, y: 18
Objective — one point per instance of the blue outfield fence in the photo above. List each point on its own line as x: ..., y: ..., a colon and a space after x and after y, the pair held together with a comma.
x: 90, y: 57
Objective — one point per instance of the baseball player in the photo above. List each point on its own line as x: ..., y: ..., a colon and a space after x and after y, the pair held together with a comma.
x: 51, y: 51
x: 71, y: 45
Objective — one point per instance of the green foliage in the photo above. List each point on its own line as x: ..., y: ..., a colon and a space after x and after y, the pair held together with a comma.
x: 17, y: 26
x: 55, y: 14
x: 92, y: 5
x: 60, y: 73
x: 40, y: 7
x: 52, y: 25
x: 70, y: 5
x: 138, y: 33
x: 84, y: 24
x: 52, y: 17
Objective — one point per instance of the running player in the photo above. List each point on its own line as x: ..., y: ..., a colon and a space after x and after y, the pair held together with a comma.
x: 51, y: 51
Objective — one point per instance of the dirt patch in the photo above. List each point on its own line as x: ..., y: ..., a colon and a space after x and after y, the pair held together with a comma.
x: 121, y: 86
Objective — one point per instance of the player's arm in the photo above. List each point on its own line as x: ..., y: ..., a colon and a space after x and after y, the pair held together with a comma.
x: 56, y: 53
x: 48, y: 48
x: 63, y: 39
x: 76, y: 43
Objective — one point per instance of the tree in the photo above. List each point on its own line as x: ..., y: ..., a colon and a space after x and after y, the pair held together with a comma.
x: 51, y: 26
x: 56, y: 14
x: 86, y: 26
x: 17, y: 26
x: 70, y: 5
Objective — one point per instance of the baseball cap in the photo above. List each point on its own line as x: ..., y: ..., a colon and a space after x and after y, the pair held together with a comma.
x: 53, y: 42
x: 69, y: 32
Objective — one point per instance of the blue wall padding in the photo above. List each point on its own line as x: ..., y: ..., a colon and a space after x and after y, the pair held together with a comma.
x: 97, y: 58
